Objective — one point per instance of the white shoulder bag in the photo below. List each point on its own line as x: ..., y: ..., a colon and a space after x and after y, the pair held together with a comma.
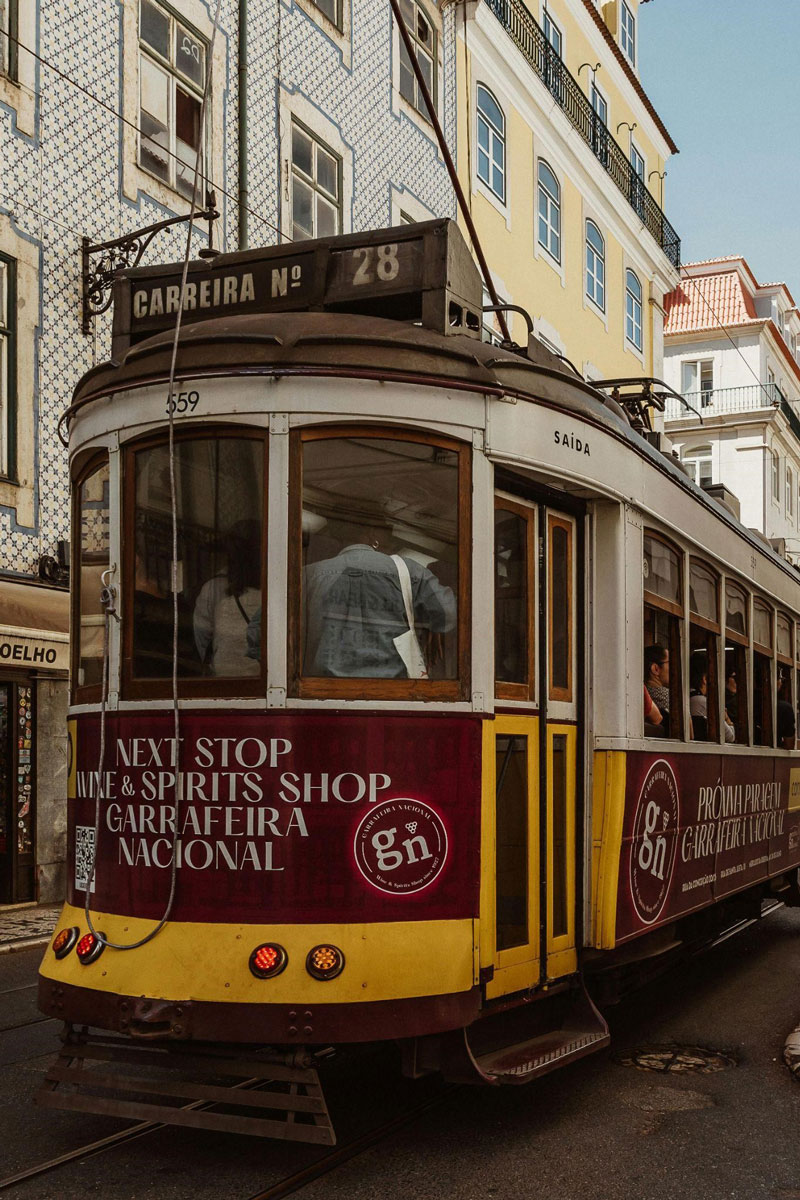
x: 407, y: 644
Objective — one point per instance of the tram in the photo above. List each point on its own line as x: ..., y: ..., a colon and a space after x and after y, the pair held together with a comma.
x: 357, y: 733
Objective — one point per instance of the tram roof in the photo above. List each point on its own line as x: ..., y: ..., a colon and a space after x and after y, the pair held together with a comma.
x: 358, y: 346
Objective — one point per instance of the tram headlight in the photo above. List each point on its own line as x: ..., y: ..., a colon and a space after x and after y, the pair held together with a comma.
x: 65, y: 940
x: 90, y: 948
x: 325, y: 962
x: 268, y: 960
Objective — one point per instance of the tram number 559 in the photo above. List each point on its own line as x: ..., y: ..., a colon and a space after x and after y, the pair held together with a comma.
x: 377, y: 263
x: 181, y: 402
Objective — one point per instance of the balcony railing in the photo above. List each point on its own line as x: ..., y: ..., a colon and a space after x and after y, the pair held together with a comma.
x: 529, y: 37
x: 713, y: 401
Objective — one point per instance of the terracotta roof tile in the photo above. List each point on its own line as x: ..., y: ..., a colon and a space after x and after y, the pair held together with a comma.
x: 706, y: 302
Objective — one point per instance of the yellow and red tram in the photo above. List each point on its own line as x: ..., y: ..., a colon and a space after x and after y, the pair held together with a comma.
x: 291, y: 830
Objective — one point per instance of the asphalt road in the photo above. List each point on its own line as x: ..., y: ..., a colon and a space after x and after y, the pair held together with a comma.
x: 599, y: 1130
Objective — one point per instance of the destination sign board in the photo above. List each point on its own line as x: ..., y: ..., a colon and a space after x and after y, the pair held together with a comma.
x: 418, y: 272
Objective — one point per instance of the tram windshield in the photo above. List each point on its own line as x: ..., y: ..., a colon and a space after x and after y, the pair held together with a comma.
x: 380, y: 558
x: 219, y: 491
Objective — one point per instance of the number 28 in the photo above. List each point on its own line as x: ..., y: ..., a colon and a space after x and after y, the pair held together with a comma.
x: 385, y: 269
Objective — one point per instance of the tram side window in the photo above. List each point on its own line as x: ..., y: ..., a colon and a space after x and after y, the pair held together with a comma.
x: 378, y: 575
x: 514, y: 592
x: 92, y: 559
x: 663, y: 613
x: 762, y: 675
x: 704, y: 631
x: 219, y: 493
x: 737, y: 640
x: 786, y: 724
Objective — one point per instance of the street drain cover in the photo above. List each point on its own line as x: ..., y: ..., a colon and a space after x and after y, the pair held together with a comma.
x: 678, y: 1059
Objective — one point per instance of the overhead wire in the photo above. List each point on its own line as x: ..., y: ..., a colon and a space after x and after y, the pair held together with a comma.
x: 108, y: 599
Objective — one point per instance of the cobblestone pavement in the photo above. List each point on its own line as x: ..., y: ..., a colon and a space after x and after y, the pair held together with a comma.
x: 21, y: 927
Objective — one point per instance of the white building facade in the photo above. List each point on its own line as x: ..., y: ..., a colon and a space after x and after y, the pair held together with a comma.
x: 313, y: 126
x: 730, y: 349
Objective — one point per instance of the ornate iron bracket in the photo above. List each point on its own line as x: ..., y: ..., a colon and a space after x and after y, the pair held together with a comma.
x: 122, y: 254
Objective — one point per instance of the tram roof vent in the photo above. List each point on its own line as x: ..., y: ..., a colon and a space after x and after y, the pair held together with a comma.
x: 422, y: 272
x: 725, y: 497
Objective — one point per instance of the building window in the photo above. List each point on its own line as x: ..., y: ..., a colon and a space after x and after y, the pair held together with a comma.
x: 491, y: 143
x: 553, y: 66
x: 698, y: 376
x: 332, y: 10
x: 638, y: 186
x: 794, y: 345
x: 552, y: 33
x: 423, y: 36
x: 9, y: 32
x: 781, y: 322
x: 697, y: 461
x: 549, y: 212
x: 789, y: 492
x: 627, y: 33
x: 8, y: 313
x: 316, y: 187
x: 172, y: 69
x: 599, y: 124
x: 633, y: 310
x: 595, y: 265
x: 774, y: 470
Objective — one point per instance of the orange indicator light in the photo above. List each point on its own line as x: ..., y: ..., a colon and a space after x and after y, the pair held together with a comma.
x: 65, y: 940
x: 325, y: 962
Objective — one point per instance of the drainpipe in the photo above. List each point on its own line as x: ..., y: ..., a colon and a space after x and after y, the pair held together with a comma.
x: 243, y: 184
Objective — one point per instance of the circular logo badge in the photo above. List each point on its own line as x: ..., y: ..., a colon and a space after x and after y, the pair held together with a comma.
x: 401, y: 846
x: 655, y: 841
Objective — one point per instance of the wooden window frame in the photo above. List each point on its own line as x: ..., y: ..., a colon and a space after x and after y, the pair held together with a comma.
x: 759, y: 647
x: 526, y: 690
x: 696, y: 618
x: 741, y: 639
x: 340, y: 688
x: 563, y: 694
x: 89, y: 693
x: 652, y: 598
x: 785, y: 659
x: 207, y: 685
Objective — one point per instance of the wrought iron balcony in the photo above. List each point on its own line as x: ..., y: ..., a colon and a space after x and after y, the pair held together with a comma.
x: 710, y: 402
x: 529, y: 37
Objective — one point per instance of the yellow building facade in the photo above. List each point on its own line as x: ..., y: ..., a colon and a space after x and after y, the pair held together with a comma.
x: 562, y: 157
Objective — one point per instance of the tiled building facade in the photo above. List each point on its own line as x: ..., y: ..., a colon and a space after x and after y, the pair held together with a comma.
x: 99, y: 122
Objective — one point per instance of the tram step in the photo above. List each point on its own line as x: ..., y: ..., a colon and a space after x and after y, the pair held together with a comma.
x: 518, y: 1044
x: 204, y: 1087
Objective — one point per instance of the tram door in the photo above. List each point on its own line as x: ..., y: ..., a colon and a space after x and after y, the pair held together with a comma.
x: 530, y: 751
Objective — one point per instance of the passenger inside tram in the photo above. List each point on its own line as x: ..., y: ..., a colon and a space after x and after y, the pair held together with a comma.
x: 786, y: 720
x: 379, y: 578
x: 656, y: 680
x: 227, y: 603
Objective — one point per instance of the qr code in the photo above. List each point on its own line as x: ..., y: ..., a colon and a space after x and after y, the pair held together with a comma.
x: 84, y: 856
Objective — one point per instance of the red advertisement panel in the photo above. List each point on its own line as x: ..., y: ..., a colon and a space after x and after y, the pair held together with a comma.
x: 279, y: 818
x: 698, y: 828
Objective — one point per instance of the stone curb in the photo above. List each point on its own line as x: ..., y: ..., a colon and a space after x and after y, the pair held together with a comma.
x: 791, y: 1052
x: 31, y: 943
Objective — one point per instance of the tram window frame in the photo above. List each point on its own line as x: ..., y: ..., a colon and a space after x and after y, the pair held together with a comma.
x: 674, y: 615
x: 796, y: 648
x: 139, y: 687
x: 704, y: 635
x: 92, y: 692
x: 736, y: 662
x: 784, y: 664
x: 521, y: 689
x: 558, y: 691
x: 762, y: 683
x: 308, y: 687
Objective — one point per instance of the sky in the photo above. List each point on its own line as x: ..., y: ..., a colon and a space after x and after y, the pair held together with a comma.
x: 723, y: 76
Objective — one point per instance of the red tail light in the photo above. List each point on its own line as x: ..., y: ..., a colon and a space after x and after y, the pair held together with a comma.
x: 268, y: 960
x: 90, y: 948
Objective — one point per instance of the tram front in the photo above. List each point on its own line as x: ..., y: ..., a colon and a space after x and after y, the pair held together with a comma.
x: 286, y: 815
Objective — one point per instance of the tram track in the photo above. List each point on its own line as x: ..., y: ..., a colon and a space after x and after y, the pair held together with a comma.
x: 284, y: 1187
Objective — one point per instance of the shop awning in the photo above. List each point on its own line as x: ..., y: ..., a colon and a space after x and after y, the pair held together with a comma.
x: 34, y: 626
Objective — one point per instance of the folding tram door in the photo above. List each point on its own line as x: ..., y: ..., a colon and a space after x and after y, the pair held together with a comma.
x: 531, y: 751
